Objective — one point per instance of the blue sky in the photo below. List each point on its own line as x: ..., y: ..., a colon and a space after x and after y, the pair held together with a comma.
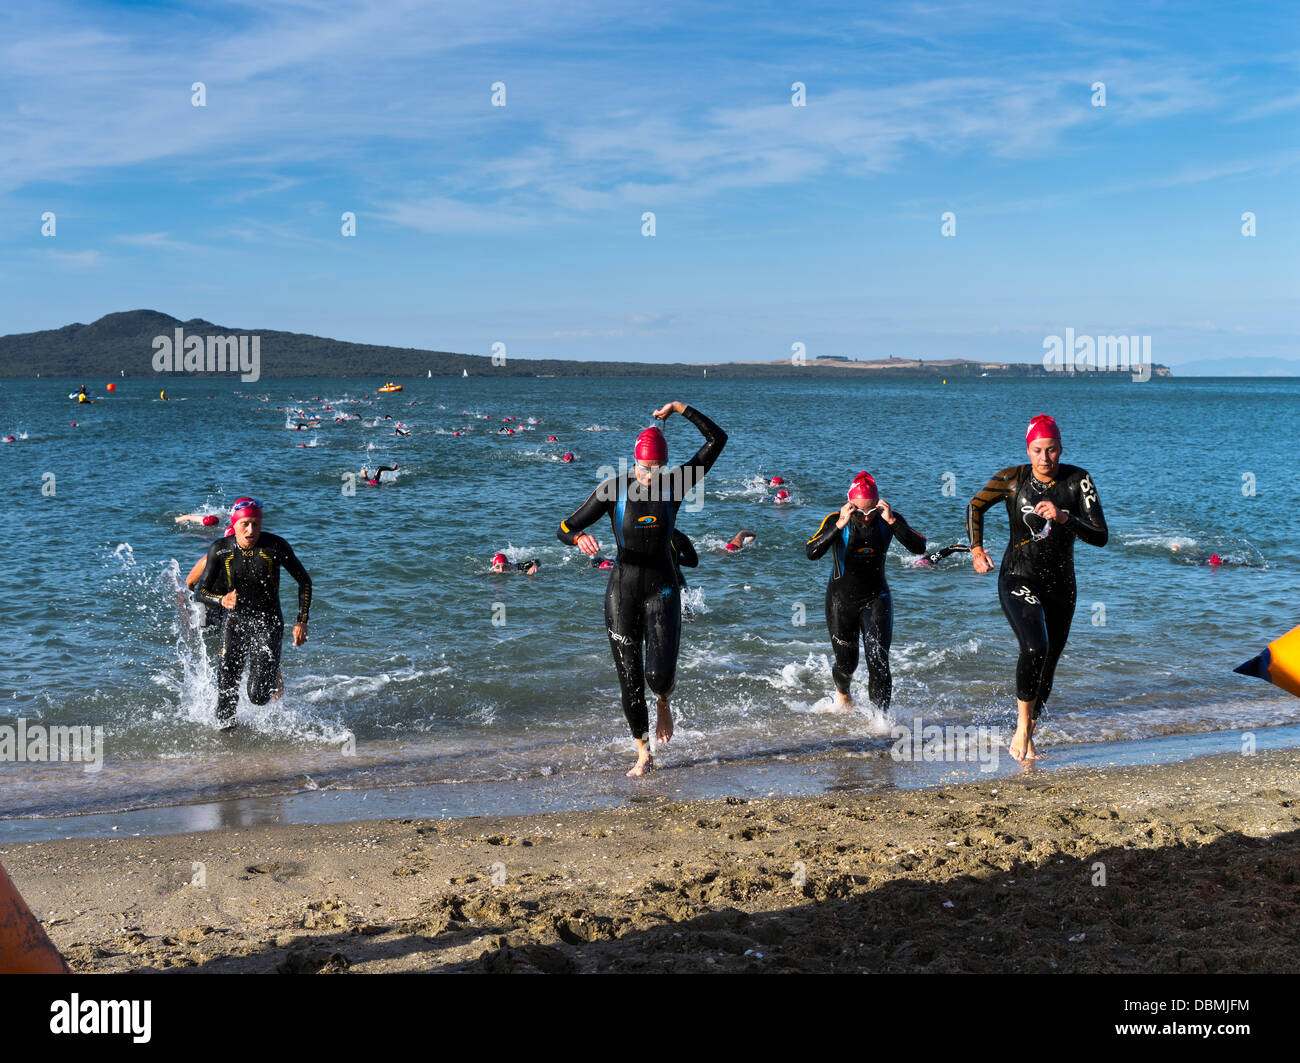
x: 774, y: 223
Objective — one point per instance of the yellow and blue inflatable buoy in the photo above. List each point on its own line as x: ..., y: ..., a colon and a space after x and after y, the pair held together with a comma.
x: 1279, y: 663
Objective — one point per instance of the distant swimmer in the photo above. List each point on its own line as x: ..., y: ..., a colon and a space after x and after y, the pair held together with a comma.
x: 377, y: 478
x: 206, y: 519
x: 858, y: 602
x: 551, y: 439
x: 401, y: 432
x: 931, y: 559
x: 781, y: 498
x: 740, y: 540
x: 567, y: 459
x: 501, y: 563
x: 601, y: 562
x: 163, y: 394
x: 1213, y: 560
x: 242, y: 576
x: 643, y: 614
x: 1049, y: 505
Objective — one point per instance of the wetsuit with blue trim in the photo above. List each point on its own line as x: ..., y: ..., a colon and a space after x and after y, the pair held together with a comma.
x: 1036, y: 584
x: 858, y: 602
x: 252, y: 631
x: 643, y: 614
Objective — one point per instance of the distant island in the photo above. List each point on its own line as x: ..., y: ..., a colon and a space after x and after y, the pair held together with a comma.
x: 126, y: 344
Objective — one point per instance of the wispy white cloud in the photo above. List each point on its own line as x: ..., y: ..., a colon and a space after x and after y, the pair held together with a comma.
x: 75, y: 259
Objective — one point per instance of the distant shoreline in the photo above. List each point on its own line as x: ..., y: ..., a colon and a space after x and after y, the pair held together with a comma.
x: 123, y: 345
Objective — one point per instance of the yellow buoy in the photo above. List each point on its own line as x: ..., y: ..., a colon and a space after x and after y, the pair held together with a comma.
x: 1279, y: 663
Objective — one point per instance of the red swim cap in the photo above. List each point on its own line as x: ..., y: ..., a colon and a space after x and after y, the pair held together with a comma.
x: 551, y: 439
x: 245, y: 507
x: 1215, y: 559
x: 607, y: 564
x: 651, y: 446
x: 777, y: 481
x: 209, y: 520
x: 863, y: 487
x: 500, y: 559
x: 731, y: 546
x: 781, y: 496
x: 567, y: 458
x: 1042, y: 427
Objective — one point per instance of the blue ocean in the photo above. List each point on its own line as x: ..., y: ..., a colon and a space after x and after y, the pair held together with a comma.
x: 424, y: 668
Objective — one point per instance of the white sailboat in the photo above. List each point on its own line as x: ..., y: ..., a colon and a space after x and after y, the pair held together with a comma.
x: 464, y: 372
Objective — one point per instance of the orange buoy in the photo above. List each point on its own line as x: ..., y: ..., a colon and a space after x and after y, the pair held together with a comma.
x: 25, y: 948
x: 112, y: 387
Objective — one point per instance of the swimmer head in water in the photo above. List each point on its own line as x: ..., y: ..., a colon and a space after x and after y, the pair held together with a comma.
x: 499, y: 562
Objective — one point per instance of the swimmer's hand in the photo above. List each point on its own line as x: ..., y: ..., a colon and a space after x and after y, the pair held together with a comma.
x: 299, y: 634
x: 886, y: 512
x: 587, y: 544
x: 672, y: 407
x: 228, y: 602
x: 981, y: 560
x: 846, y: 513
x: 1049, y: 511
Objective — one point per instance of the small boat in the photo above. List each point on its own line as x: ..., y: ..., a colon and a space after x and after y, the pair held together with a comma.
x: 464, y: 372
x: 430, y: 374
x: 390, y: 386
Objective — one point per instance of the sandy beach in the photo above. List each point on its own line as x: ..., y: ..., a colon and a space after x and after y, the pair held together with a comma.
x: 1185, y: 867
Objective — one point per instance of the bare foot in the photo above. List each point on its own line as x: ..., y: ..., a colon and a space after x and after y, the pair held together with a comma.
x: 645, y: 764
x: 1019, y: 741
x: 843, y: 703
x: 279, y: 690
x: 664, y: 729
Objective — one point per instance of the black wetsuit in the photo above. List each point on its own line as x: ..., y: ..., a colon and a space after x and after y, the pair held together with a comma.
x: 253, y: 629
x: 643, y: 597
x: 683, y: 551
x: 1036, y: 583
x: 857, y: 596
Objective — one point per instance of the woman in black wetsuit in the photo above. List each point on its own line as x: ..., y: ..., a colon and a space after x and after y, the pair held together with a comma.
x: 643, y: 597
x: 858, y: 603
x: 241, y: 582
x: 1049, y: 505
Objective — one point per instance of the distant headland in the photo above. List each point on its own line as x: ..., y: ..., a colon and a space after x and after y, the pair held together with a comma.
x: 136, y: 343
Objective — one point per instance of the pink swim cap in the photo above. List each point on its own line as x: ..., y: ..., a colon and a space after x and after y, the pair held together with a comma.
x: 209, y: 520
x: 781, y: 496
x: 1215, y: 559
x: 1042, y: 427
x: 500, y: 559
x: 777, y: 481
x: 567, y: 458
x: 245, y: 507
x: 731, y: 546
x: 651, y: 446
x: 551, y: 439
x: 864, y: 487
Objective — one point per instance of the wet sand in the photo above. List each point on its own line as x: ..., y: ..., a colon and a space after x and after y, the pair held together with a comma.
x: 1192, y: 866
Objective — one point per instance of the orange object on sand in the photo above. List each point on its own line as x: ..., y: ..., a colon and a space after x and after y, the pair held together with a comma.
x: 25, y: 948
